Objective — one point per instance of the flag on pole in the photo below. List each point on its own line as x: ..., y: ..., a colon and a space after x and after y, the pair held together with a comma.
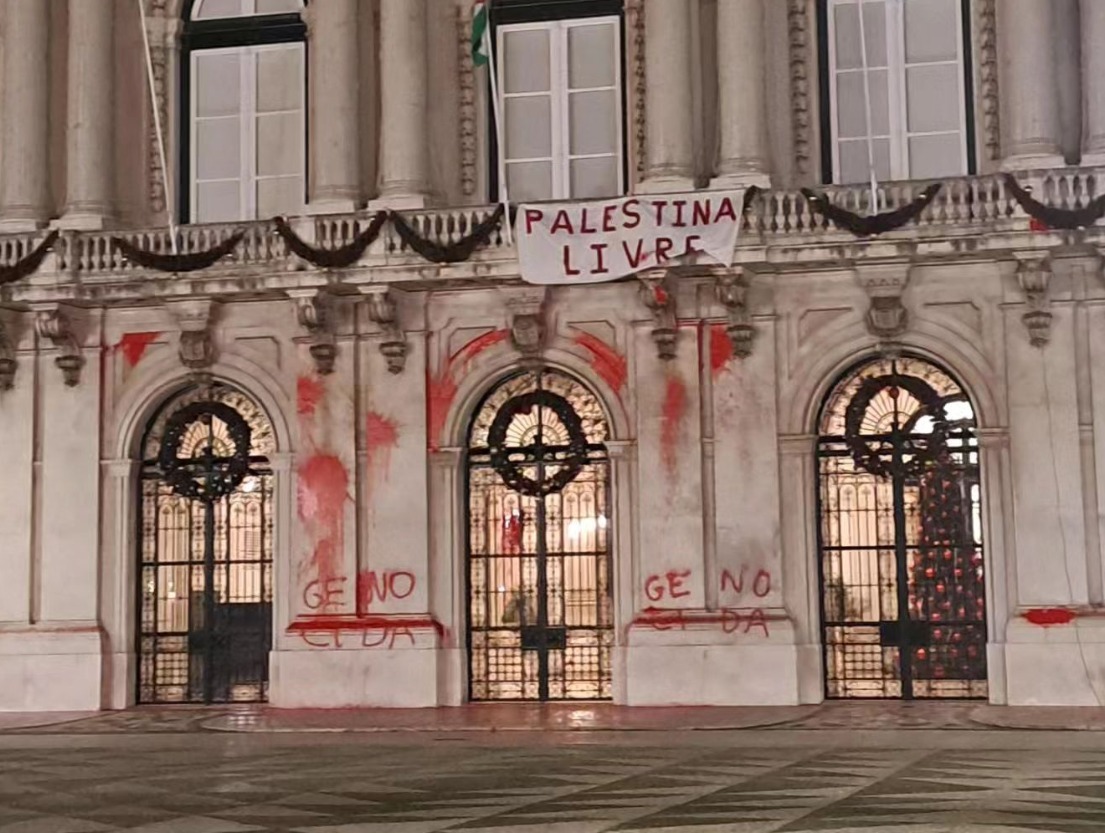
x: 480, y: 52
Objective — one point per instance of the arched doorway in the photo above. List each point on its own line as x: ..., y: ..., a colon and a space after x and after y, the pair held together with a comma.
x: 206, y: 538
x: 540, y: 600
x: 900, y: 535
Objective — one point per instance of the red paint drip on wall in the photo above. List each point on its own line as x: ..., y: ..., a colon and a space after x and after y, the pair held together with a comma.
x: 441, y: 389
x: 309, y: 391
x: 133, y: 346
x: 323, y: 490
x: 381, y: 436
x: 721, y: 348
x: 607, y: 362
x: 671, y: 415
x: 1045, y: 617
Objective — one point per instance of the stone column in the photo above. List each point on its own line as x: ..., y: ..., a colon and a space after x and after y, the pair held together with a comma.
x: 404, y: 119
x: 1093, y: 83
x: 1029, y: 100
x: 742, y: 94
x: 88, y: 183
x: 668, y: 111
x: 335, y: 134
x: 25, y: 176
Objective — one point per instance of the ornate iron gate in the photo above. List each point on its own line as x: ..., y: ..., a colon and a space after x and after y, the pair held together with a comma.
x: 902, y: 584
x: 540, y: 604
x: 205, y: 583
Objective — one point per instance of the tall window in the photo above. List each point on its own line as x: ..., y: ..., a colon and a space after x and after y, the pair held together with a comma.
x: 560, y: 76
x: 244, y: 73
x: 915, y: 105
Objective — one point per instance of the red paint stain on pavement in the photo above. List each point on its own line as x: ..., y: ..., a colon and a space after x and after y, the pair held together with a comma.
x: 441, y: 389
x: 1047, y: 616
x: 322, y: 491
x: 607, y: 362
x: 381, y: 436
x: 133, y: 346
x: 721, y: 348
x: 672, y: 412
x: 309, y: 391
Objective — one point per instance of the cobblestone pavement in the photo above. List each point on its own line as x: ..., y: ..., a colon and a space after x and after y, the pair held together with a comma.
x: 168, y: 772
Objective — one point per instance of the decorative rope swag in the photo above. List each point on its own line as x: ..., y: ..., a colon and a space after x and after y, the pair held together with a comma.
x: 190, y: 262
x: 339, y: 258
x: 866, y: 226
x: 27, y: 266
x: 1071, y: 219
x: 450, y: 252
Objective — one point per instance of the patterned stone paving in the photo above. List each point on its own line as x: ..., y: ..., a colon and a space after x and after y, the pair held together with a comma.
x: 748, y: 781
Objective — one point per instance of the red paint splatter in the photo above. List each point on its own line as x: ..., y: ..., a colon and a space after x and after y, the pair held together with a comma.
x: 133, y: 346
x: 1038, y: 225
x: 441, y: 390
x: 1047, y: 616
x: 381, y: 436
x: 322, y: 491
x: 721, y: 348
x: 671, y: 415
x: 363, y: 622
x: 309, y: 391
x: 661, y: 295
x: 607, y: 362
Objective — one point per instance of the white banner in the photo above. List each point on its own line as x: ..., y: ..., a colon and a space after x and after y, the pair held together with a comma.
x: 592, y: 242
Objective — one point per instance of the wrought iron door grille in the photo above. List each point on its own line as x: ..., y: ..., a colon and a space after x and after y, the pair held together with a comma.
x: 205, y: 577
x: 540, y: 603
x: 903, y: 589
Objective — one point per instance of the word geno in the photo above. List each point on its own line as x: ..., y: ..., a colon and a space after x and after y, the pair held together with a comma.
x: 326, y: 595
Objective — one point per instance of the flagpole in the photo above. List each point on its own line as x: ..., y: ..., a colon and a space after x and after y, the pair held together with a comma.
x: 504, y: 196
x: 874, y: 207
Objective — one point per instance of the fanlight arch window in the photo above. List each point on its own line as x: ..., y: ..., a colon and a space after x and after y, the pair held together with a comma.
x: 900, y: 531
x: 206, y: 550
x: 243, y: 101
x: 916, y: 55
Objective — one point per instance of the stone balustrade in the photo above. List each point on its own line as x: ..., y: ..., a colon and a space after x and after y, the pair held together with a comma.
x: 979, y: 206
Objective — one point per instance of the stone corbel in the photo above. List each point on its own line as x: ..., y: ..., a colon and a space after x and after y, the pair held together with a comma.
x: 383, y: 310
x: 1034, y: 276
x: 194, y: 318
x: 887, y: 318
x: 526, y: 311
x: 55, y: 324
x: 315, y: 311
x: 732, y: 293
x: 8, y: 363
x: 658, y: 294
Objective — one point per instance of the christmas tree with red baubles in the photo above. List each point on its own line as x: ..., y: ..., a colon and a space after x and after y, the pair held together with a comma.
x: 947, y: 587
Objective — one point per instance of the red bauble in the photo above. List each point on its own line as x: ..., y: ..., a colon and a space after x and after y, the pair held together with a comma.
x: 922, y: 654
x: 938, y: 671
x: 937, y: 633
x: 930, y: 572
x: 941, y: 587
x: 972, y: 651
x: 957, y: 636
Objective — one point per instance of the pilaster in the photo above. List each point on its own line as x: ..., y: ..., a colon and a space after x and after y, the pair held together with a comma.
x: 742, y: 93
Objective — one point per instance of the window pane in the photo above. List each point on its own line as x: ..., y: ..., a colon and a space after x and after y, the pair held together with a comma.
x: 218, y: 88
x: 850, y: 107
x: 279, y: 144
x: 936, y: 156
x: 529, y: 181
x: 932, y: 94
x: 847, y: 37
x: 594, y: 122
x: 853, y: 161
x: 278, y: 6
x: 279, y: 79
x: 528, y: 127
x: 279, y: 196
x: 591, y: 55
x: 218, y: 202
x: 217, y: 8
x: 931, y: 30
x: 594, y: 178
x: 526, y: 69
x: 218, y: 149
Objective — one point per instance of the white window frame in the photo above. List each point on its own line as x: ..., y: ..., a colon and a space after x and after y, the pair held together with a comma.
x: 247, y: 8
x: 898, y: 103
x: 560, y: 93
x: 248, y: 177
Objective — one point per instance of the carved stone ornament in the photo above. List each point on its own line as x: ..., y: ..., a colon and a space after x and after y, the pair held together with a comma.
x: 526, y: 312
x: 54, y: 324
x: 732, y: 293
x: 658, y: 295
x: 8, y: 363
x: 799, y: 38
x: 383, y: 309
x: 195, y: 317
x: 1034, y: 276
x: 315, y: 312
x: 887, y: 318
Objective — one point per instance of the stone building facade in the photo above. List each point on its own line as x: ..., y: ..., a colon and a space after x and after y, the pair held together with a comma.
x: 845, y: 466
